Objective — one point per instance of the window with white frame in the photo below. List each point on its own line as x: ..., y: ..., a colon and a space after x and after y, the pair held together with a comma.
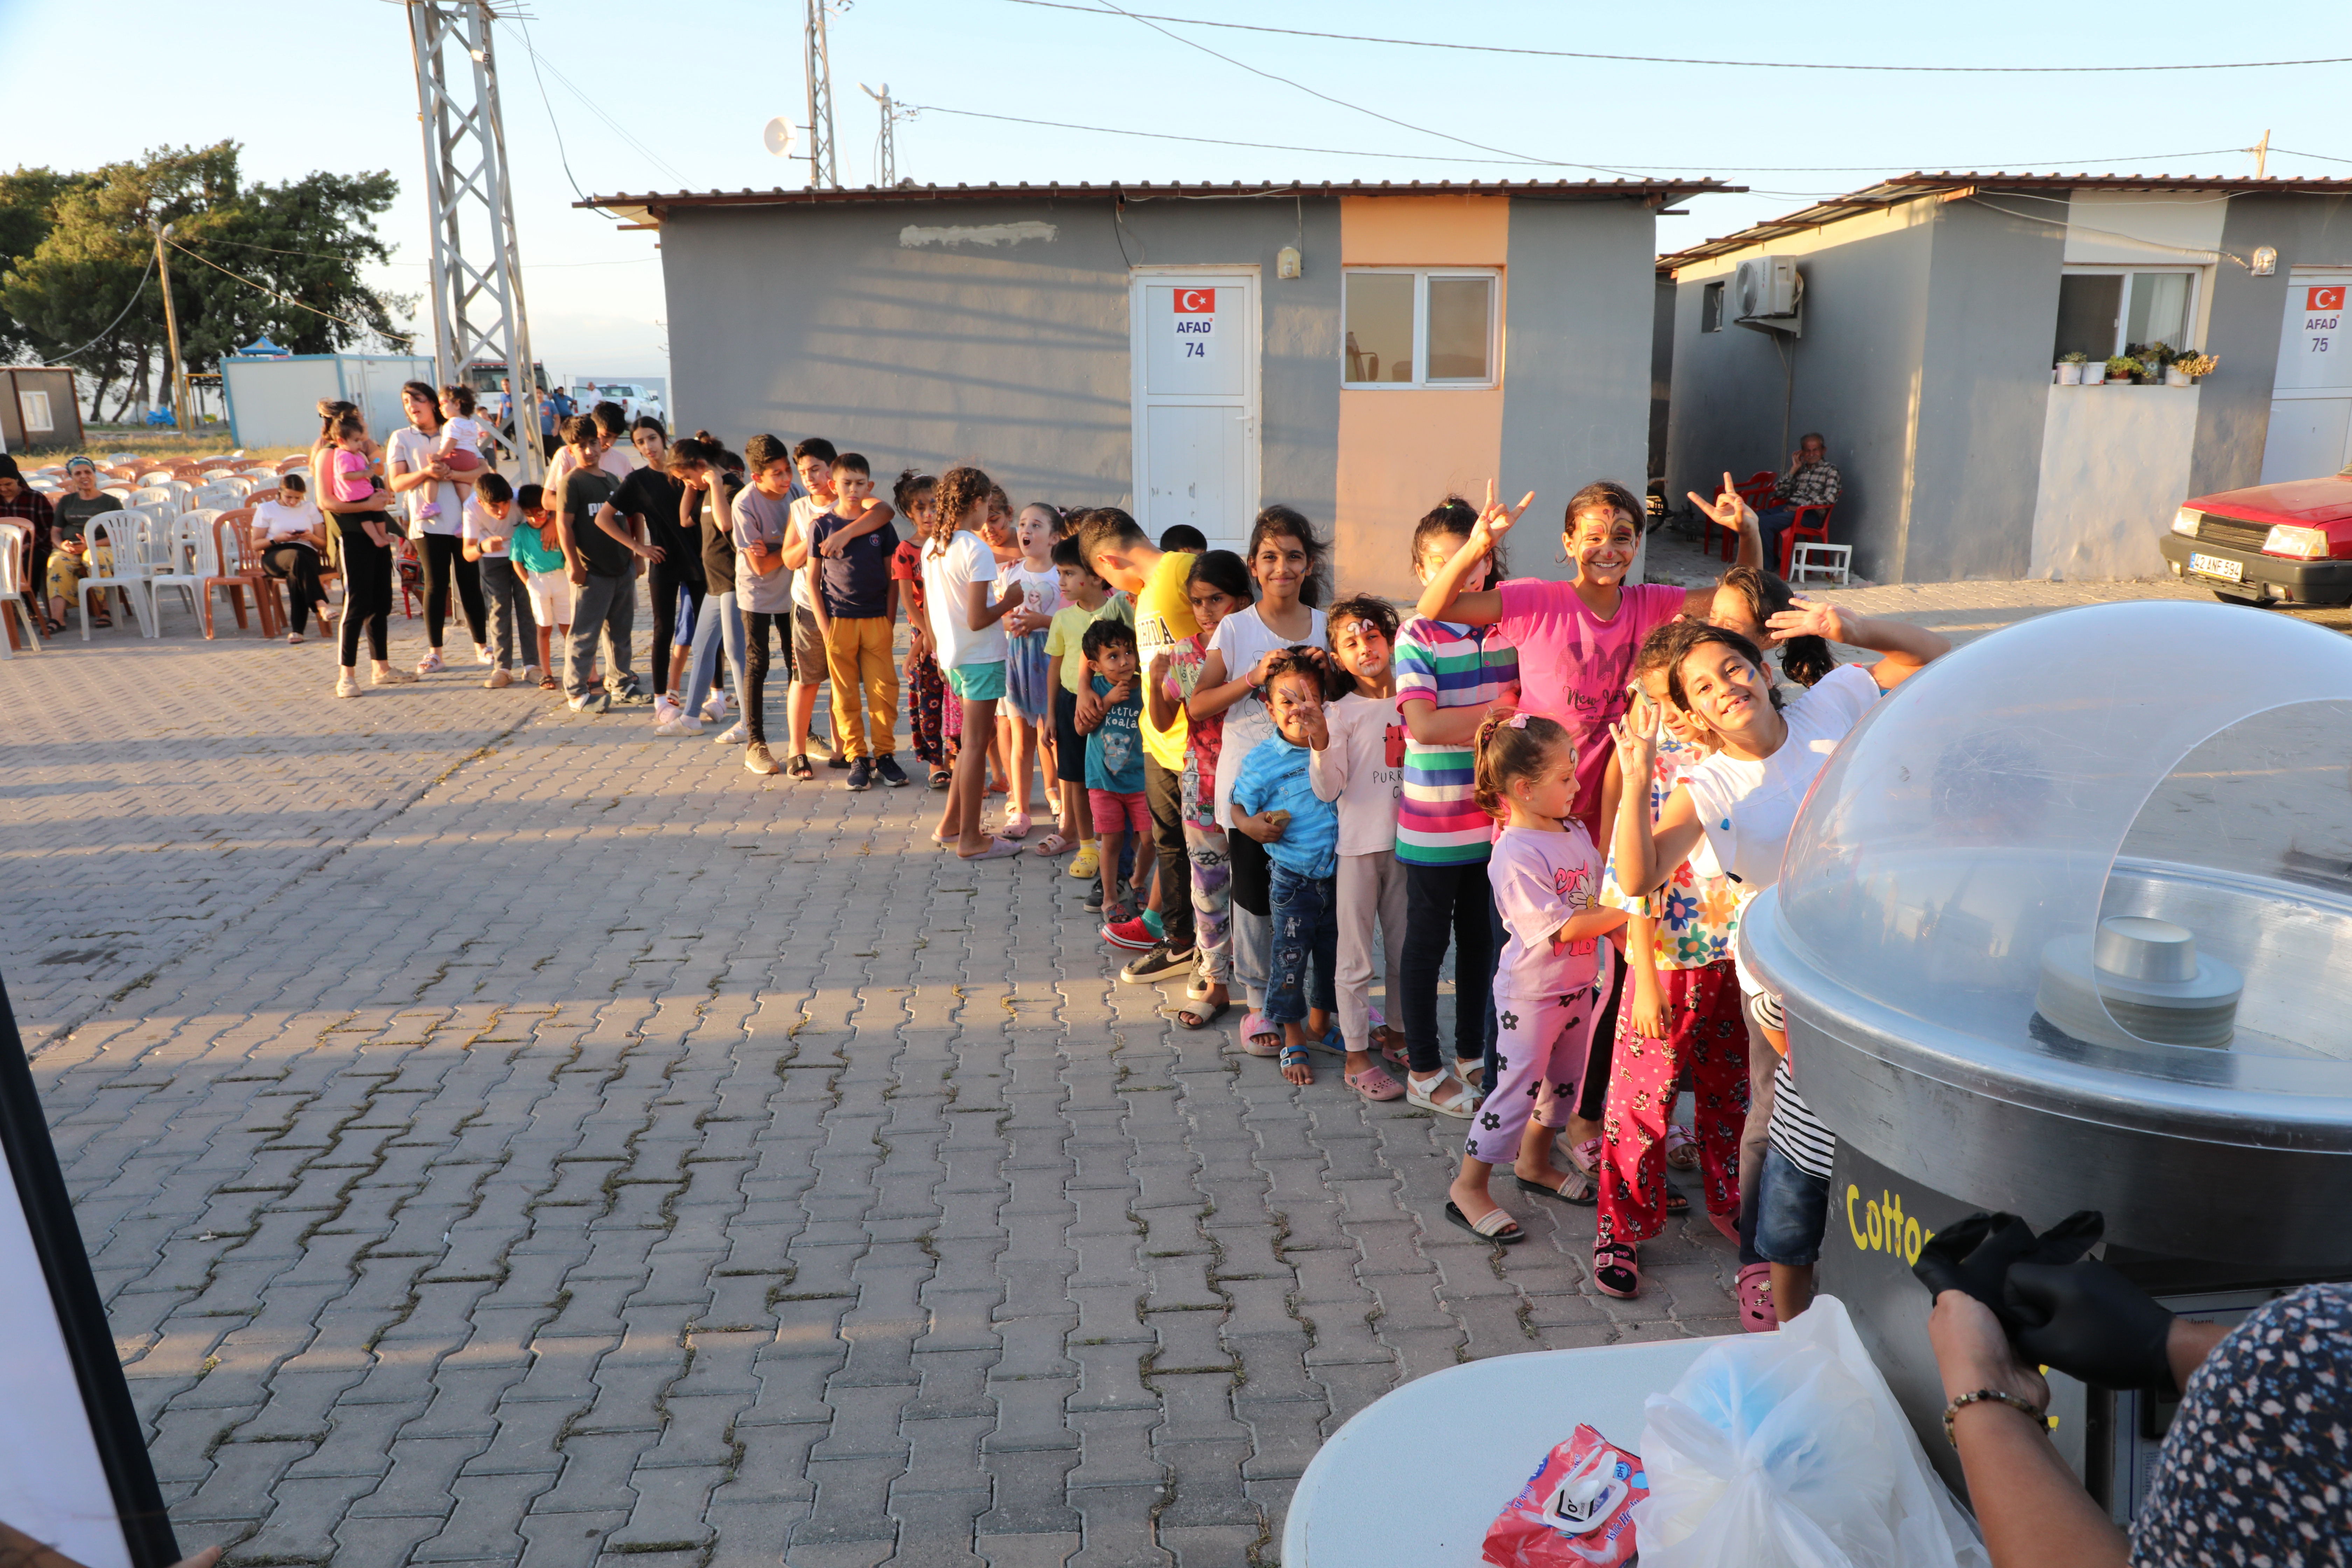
x: 1710, y: 308
x: 2108, y: 311
x: 1419, y: 327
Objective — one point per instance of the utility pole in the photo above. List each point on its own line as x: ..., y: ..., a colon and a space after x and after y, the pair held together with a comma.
x: 887, y: 150
x: 823, y: 169
x: 2261, y: 151
x: 476, y: 275
x: 162, y: 232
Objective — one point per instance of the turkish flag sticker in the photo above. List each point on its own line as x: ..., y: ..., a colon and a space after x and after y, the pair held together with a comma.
x: 2328, y: 299
x: 1204, y: 302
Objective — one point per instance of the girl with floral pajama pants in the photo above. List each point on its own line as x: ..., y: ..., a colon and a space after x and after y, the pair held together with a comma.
x: 1706, y: 1034
x: 1540, y: 1047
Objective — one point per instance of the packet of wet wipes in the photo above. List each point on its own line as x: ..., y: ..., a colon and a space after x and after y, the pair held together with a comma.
x: 1574, y: 1511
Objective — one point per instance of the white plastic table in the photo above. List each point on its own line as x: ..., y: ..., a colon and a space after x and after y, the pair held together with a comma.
x: 1475, y: 1434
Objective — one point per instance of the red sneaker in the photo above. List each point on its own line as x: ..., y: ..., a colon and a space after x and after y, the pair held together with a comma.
x: 1136, y: 935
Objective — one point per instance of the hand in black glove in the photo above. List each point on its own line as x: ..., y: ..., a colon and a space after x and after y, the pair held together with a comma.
x: 1975, y: 1255
x: 2089, y: 1321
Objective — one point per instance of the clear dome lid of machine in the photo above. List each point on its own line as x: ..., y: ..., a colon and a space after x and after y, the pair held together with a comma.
x: 2118, y: 836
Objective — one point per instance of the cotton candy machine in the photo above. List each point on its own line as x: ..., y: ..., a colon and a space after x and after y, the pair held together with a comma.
x: 2066, y: 923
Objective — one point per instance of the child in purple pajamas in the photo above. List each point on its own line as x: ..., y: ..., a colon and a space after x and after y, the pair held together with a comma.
x: 1550, y: 983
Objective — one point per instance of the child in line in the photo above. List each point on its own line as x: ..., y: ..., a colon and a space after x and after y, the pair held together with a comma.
x: 1546, y: 874
x: 1083, y: 596
x: 1357, y: 764
x: 995, y: 530
x: 538, y: 560
x: 1742, y: 800
x: 1219, y: 585
x: 1682, y: 1017
x: 1274, y: 802
x: 927, y: 687
x: 1029, y: 679
x: 966, y: 630
x: 1576, y: 642
x: 861, y: 608
x: 759, y: 518
x: 352, y: 479
x: 801, y: 629
x: 483, y: 537
x: 1125, y: 557
x: 1449, y: 678
x: 1284, y: 559
x: 1110, y: 718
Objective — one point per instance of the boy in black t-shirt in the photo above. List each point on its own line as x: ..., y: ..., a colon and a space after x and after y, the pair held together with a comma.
x: 861, y: 605
x: 597, y: 555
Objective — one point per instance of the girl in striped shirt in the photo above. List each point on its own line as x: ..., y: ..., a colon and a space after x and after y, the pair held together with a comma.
x: 1449, y: 678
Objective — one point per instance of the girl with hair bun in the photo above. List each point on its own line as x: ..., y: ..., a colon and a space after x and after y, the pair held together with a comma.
x: 1550, y: 983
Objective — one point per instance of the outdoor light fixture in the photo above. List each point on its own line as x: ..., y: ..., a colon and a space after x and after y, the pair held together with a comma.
x: 1286, y: 262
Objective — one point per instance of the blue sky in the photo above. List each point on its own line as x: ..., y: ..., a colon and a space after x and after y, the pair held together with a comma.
x: 675, y: 96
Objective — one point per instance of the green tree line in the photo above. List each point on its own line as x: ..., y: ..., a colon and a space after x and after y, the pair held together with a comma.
x: 76, y: 253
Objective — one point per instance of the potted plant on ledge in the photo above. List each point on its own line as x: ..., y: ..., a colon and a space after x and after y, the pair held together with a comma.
x: 2070, y: 368
x: 2119, y: 369
x: 2190, y: 368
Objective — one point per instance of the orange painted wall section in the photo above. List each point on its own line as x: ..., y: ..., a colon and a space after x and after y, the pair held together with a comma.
x: 1400, y: 452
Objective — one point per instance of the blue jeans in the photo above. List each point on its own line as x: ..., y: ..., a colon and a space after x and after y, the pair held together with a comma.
x: 717, y: 619
x: 1791, y: 1212
x: 1772, y: 525
x: 1304, y: 913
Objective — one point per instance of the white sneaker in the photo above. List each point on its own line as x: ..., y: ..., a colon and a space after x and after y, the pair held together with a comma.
x: 385, y: 675
x: 735, y: 736
x: 431, y: 663
x: 529, y: 676
x: 581, y: 703
x: 679, y: 727
x: 499, y: 677
x: 716, y: 709
x: 346, y: 685
x: 482, y: 654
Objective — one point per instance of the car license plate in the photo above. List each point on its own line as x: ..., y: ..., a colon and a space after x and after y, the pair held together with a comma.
x: 2214, y: 566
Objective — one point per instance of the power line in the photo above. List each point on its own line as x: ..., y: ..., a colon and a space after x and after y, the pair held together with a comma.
x: 118, y: 315
x: 593, y: 106
x: 1108, y: 8
x: 1455, y: 158
x: 1674, y: 60
x: 288, y: 299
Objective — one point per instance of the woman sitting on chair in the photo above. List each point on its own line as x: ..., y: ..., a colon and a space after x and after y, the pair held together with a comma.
x: 290, y: 537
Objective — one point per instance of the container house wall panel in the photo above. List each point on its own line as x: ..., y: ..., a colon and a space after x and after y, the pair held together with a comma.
x: 2234, y: 402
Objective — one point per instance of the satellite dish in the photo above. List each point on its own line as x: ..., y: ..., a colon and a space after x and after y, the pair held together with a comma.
x: 778, y: 137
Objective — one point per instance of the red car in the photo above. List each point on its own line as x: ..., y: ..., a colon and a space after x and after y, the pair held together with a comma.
x: 2271, y: 544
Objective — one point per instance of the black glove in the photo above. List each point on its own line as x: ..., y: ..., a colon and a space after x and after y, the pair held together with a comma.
x: 1973, y: 1256
x: 2090, y: 1323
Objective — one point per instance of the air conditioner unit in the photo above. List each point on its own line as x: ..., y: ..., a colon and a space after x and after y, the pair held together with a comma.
x: 1768, y: 294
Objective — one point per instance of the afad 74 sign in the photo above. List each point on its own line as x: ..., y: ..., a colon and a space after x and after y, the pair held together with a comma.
x: 1196, y: 319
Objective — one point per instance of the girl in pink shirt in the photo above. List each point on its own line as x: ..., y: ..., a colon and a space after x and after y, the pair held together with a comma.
x: 1577, y: 639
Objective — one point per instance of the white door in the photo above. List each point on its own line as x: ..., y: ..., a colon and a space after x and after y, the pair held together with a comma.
x: 2311, y: 402
x: 1193, y: 340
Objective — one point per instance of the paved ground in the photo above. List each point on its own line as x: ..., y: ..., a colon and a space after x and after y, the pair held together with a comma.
x: 503, y: 1136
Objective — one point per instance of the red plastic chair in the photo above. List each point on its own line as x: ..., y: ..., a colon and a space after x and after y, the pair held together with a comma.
x: 1755, y: 490
x: 1801, y: 532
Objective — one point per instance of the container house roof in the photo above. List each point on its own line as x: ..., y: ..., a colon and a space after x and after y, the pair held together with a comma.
x: 1950, y: 186
x: 648, y: 210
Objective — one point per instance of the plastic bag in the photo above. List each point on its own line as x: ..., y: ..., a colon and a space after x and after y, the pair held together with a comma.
x: 1574, y: 1510
x: 1787, y: 1450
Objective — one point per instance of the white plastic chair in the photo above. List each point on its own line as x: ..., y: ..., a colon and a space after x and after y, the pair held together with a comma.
x: 16, y: 556
x: 1826, y: 561
x: 151, y: 495
x: 155, y: 475
x: 182, y: 555
x: 119, y: 492
x: 120, y: 533
x: 220, y: 497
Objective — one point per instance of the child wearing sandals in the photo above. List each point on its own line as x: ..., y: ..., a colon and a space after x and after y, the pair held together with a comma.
x: 1357, y: 764
x: 1546, y: 874
x: 1742, y: 800
x: 1683, y: 1015
x: 1273, y: 801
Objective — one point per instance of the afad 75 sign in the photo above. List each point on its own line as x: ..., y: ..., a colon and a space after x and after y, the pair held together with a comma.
x: 2329, y: 297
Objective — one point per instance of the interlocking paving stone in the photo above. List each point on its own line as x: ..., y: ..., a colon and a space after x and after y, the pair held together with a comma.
x: 506, y: 1137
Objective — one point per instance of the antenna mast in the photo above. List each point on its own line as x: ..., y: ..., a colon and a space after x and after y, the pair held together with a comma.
x: 476, y: 279
x: 823, y: 171
x: 886, y: 149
